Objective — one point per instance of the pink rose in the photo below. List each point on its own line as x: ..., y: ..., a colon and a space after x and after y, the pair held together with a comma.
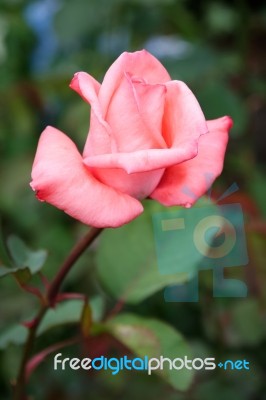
x: 148, y: 138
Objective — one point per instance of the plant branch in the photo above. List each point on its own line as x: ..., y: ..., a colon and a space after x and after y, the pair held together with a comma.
x: 80, y: 247
x: 52, y: 293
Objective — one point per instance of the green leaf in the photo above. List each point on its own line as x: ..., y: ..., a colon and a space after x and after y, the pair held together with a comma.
x: 153, y: 338
x: 26, y: 261
x: 247, y: 323
x: 97, y: 308
x: 6, y: 271
x: 16, y: 335
x: 69, y: 312
x: 65, y: 313
x: 24, y: 257
x: 126, y: 259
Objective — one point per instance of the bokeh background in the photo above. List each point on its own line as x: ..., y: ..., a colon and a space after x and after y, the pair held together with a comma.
x: 218, y: 49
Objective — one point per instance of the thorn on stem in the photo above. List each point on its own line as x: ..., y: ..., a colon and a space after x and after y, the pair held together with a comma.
x: 29, y: 324
x: 44, y: 280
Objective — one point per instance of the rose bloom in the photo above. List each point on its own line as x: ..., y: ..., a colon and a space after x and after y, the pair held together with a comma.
x: 148, y: 137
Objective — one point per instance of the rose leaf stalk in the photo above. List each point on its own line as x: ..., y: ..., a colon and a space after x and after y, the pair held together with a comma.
x: 51, y: 299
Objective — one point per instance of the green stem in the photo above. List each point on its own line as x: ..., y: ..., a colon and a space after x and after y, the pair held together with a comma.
x: 52, y: 293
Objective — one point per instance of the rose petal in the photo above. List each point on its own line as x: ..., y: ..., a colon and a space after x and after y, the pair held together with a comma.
x: 150, y: 101
x: 128, y: 113
x: 184, y: 183
x: 139, y: 185
x: 60, y: 178
x: 183, y: 118
x: 144, y: 160
x: 99, y: 140
x: 88, y: 88
x: 140, y: 64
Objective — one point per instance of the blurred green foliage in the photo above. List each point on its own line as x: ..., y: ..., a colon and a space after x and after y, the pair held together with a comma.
x: 217, y: 47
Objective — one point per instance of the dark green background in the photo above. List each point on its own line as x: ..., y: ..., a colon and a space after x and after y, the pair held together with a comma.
x: 225, y: 67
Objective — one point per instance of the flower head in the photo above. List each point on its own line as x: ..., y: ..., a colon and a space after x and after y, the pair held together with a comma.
x: 148, y: 137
